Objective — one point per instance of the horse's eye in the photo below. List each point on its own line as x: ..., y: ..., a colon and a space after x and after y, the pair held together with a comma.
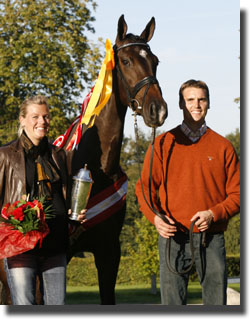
x: 125, y: 62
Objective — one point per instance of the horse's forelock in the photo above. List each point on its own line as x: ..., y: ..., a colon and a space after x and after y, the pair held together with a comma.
x: 133, y: 38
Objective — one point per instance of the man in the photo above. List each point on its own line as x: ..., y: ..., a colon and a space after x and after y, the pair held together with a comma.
x: 195, y: 178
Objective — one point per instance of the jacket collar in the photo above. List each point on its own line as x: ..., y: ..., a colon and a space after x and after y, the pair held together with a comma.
x: 19, y: 162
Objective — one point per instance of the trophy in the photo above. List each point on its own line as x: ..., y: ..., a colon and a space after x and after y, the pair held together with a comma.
x: 82, y: 184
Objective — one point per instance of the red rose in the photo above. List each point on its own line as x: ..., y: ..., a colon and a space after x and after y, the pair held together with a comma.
x: 15, y: 203
x: 31, y: 204
x: 18, y: 214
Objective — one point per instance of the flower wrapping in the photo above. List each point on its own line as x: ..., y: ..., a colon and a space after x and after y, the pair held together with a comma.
x: 22, y: 225
x: 13, y: 242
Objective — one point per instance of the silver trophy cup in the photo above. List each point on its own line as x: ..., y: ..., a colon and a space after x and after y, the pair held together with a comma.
x: 82, y: 184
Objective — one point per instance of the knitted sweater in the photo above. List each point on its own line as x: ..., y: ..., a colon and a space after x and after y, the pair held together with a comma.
x: 190, y: 177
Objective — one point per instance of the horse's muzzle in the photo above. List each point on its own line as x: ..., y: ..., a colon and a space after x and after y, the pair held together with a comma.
x: 156, y: 115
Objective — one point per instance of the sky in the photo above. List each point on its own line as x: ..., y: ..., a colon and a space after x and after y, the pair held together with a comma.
x: 193, y: 40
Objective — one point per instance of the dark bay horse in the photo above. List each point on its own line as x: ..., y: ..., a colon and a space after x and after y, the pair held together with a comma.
x: 134, y: 85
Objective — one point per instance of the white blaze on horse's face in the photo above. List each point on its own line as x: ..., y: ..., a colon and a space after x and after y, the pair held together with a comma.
x: 143, y: 53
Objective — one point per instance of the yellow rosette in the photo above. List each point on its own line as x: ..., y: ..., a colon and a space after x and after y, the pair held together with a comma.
x: 103, y: 88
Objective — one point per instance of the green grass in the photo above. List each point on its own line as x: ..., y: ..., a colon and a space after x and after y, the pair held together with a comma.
x: 131, y: 294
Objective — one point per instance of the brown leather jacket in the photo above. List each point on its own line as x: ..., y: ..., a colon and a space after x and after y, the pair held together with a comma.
x: 12, y: 171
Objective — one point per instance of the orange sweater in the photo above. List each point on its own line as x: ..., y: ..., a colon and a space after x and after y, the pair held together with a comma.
x: 190, y: 177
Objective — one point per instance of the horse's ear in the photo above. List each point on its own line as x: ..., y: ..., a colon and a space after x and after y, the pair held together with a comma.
x: 122, y: 29
x: 148, y: 32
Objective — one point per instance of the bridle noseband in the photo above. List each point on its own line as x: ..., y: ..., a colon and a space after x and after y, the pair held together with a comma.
x: 132, y: 92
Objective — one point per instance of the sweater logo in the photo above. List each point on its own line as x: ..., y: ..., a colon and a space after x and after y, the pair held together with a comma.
x: 210, y: 158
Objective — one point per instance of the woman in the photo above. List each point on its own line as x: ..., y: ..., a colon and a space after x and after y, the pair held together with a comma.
x: 31, y: 165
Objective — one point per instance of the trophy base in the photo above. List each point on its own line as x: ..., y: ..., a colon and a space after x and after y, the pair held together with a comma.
x: 74, y: 216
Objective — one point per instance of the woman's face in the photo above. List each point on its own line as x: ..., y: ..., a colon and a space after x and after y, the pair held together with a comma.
x: 36, y: 122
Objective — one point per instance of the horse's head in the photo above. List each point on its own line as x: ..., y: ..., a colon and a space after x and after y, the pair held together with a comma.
x: 136, y: 67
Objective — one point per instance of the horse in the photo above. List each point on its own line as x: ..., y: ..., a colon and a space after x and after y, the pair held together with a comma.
x: 135, y: 85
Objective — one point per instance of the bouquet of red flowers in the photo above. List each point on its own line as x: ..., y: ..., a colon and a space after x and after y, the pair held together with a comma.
x: 22, y: 225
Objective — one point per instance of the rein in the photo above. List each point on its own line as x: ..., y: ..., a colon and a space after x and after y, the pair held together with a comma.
x: 147, y: 81
x: 162, y: 216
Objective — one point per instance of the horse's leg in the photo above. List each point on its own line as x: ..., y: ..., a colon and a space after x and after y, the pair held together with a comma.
x: 107, y: 261
x: 107, y: 254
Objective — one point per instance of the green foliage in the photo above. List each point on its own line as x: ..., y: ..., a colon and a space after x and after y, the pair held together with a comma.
x: 233, y: 265
x: 232, y: 236
x: 82, y: 271
x: 44, y: 49
x: 129, y: 273
x: 129, y: 229
x: 234, y: 137
x: 129, y: 162
x: 146, y: 252
x: 8, y: 131
x: 133, y: 152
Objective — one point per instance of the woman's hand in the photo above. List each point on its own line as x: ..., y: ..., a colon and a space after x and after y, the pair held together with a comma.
x: 81, y: 217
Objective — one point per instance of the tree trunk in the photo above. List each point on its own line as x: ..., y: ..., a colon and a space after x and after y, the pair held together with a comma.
x: 153, y: 284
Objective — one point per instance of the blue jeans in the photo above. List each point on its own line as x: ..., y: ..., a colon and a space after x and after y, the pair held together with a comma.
x: 22, y: 283
x: 211, y: 270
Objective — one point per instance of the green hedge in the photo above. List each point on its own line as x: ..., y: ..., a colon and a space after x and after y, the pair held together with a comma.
x: 82, y: 271
x: 233, y: 265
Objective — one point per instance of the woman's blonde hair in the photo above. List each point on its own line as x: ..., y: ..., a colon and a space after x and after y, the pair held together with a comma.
x: 24, y: 106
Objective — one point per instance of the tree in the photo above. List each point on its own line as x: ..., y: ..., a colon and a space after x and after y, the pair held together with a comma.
x: 133, y: 151
x: 146, y: 253
x: 139, y: 238
x: 232, y: 235
x: 132, y: 157
x: 129, y: 163
x: 44, y: 49
x: 234, y: 137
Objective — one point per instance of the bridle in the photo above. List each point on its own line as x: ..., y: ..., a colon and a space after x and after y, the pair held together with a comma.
x: 132, y: 92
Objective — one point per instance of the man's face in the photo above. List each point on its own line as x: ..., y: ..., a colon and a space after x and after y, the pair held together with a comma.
x: 195, y: 107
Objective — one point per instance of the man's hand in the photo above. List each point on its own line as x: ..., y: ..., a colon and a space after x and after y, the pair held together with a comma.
x: 204, y: 221
x: 164, y: 229
x: 81, y: 217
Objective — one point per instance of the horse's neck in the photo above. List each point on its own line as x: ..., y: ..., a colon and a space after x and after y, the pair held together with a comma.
x: 110, y: 125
